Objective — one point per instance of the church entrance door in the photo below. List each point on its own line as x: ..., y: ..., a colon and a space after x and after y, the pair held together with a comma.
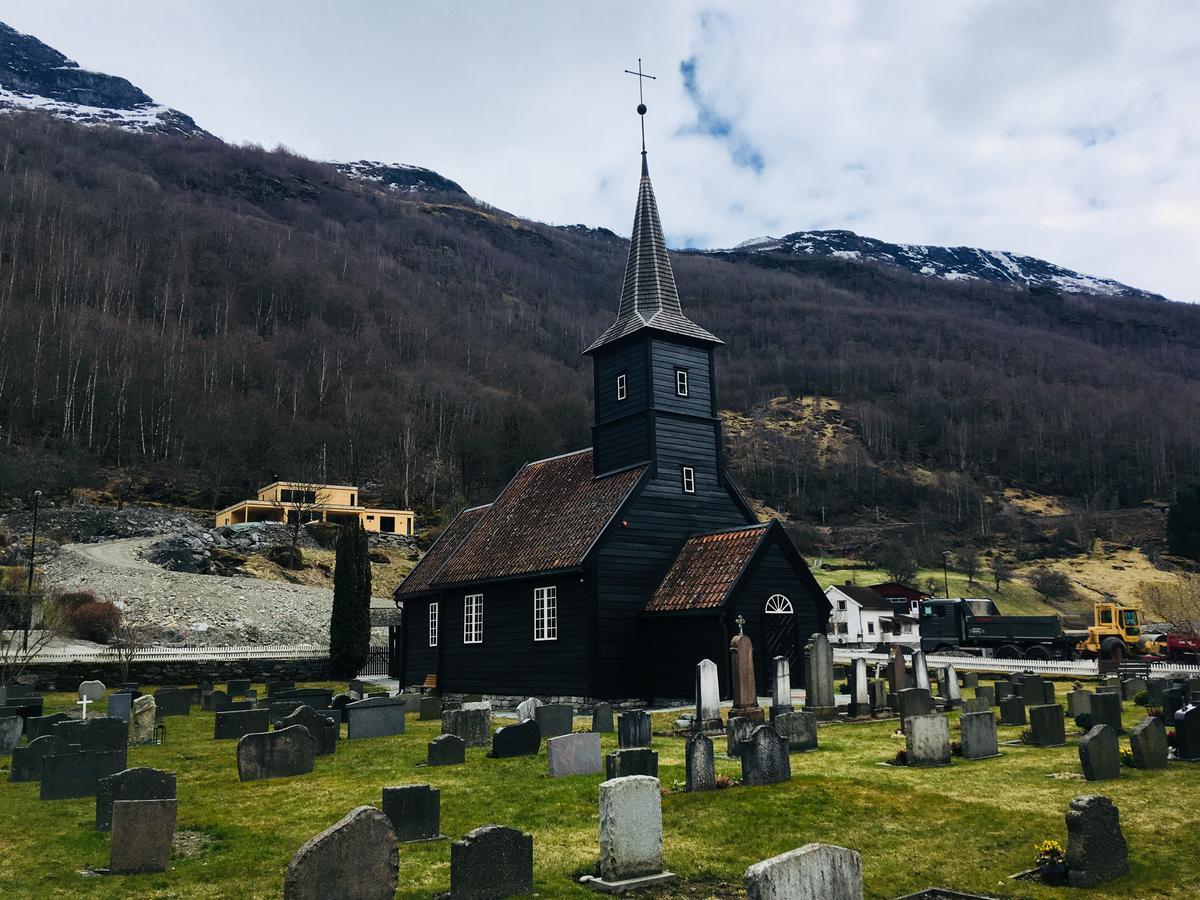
x: 779, y: 636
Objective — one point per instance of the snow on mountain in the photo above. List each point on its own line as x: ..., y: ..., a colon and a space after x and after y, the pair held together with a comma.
x: 34, y: 76
x: 949, y: 263
x: 400, y: 177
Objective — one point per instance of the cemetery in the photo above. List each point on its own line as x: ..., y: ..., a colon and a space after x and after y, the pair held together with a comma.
x: 294, y: 795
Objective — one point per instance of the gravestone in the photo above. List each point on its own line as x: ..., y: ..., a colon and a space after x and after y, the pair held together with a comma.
x: 375, y: 717
x: 708, y: 697
x: 276, y: 754
x: 736, y: 733
x: 142, y: 832
x: 92, y: 690
x: 355, y: 859
x: 860, y: 698
x: 97, y: 733
x: 897, y: 674
x: 913, y: 702
x: 120, y: 706
x: 474, y: 726
x: 1148, y: 741
x: 799, y: 729
x: 233, y: 724
x: 631, y: 761
x: 527, y: 708
x: 1173, y: 701
x: 238, y: 687
x: 276, y: 687
x: 555, y: 719
x: 67, y: 775
x: 1155, y: 689
x: 131, y: 784
x: 1079, y: 703
x: 341, y: 701
x: 633, y: 729
x: 1187, y: 733
x: 490, y: 863
x: 741, y: 668
x: 317, y: 698
x: 214, y: 700
x: 877, y: 691
x: 813, y: 872
x: 602, y: 718
x: 26, y: 762
x: 172, y: 702
x: 141, y: 724
x: 574, y: 754
x: 948, y: 688
x: 631, y: 844
x: 411, y: 701
x: 781, y: 685
x: 1048, y: 726
x: 928, y: 741
x: 987, y: 693
x: 765, y: 758
x: 970, y: 680
x: 1096, y: 848
x: 1131, y: 687
x: 322, y: 725
x: 431, y: 709
x: 520, y: 739
x: 446, y: 750
x: 920, y: 670
x: 978, y: 735
x: 976, y: 705
x: 40, y: 726
x: 10, y: 733
x: 818, y: 684
x: 1012, y: 711
x: 1106, y: 710
x: 415, y: 811
x: 700, y: 768
x: 1049, y: 694
x: 1002, y: 690
x: 1032, y: 689
x: 1099, y: 755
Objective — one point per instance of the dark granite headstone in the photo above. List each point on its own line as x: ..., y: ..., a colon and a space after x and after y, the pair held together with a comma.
x: 375, y: 717
x: 602, y: 718
x: 987, y: 693
x: 11, y: 728
x: 355, y: 859
x: 700, y: 769
x: 1096, y: 848
x: 238, y: 687
x: 323, y: 725
x: 120, y: 705
x: 1173, y: 701
x: 27, y: 761
x: 631, y: 761
x: 970, y: 680
x: 472, y: 725
x: 97, y: 733
x: 317, y: 698
x: 491, y: 862
x: 737, y: 732
x: 430, y: 709
x: 446, y: 750
x: 40, y: 726
x: 66, y: 775
x: 1002, y: 690
x: 977, y: 732
x: 214, y: 700
x: 798, y: 728
x: 1099, y: 755
x: 765, y: 758
x: 276, y: 754
x: 172, y: 702
x: 633, y: 729
x: 521, y: 739
x: 1155, y: 689
x: 1148, y: 741
x: 1012, y: 711
x: 1048, y: 725
x: 1106, y: 710
x: 914, y: 702
x: 233, y: 724
x: 142, y: 833
x: 341, y: 701
x: 555, y: 719
x: 1187, y: 733
x: 275, y: 687
x: 131, y: 784
x: 415, y: 811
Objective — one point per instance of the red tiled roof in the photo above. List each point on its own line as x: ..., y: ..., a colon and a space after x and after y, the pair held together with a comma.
x: 546, y: 519
x: 422, y: 575
x: 706, y: 570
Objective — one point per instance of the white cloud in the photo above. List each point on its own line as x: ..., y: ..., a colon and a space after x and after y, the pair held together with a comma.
x: 1069, y: 131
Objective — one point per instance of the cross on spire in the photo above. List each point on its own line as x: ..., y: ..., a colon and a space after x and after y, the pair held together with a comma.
x: 641, y: 107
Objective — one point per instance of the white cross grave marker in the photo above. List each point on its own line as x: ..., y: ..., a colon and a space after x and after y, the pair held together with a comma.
x: 84, y: 701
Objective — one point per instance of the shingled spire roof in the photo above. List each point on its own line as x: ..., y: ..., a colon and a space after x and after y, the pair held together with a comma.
x: 649, y: 298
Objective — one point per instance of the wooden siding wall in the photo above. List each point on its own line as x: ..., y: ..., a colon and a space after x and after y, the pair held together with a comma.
x: 621, y: 436
x: 510, y: 661
x: 618, y: 445
x: 673, y: 645
x: 418, y: 659
x: 666, y: 357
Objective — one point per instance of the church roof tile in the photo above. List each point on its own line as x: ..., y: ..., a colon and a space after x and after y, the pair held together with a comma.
x: 707, y: 569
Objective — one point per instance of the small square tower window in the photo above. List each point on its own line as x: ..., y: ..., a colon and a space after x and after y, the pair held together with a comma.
x: 689, y: 480
x: 622, y: 386
x: 681, y: 382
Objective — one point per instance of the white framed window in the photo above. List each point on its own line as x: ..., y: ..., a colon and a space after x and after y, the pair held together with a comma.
x: 870, y: 628
x: 841, y: 606
x: 473, y: 619
x: 545, y: 614
x: 433, y: 624
x: 689, y: 480
x: 778, y: 604
x: 622, y: 386
x: 681, y: 382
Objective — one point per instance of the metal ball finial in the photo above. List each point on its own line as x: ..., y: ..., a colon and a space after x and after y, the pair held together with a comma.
x: 641, y: 108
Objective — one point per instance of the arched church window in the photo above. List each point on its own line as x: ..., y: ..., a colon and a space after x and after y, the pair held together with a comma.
x: 778, y: 604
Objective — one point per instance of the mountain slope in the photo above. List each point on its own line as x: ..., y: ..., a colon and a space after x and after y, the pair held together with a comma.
x: 949, y: 263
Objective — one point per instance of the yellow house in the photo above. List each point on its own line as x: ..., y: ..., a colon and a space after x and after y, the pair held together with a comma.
x: 292, y: 501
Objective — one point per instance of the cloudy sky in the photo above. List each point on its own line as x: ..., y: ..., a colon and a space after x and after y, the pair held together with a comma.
x: 1065, y: 130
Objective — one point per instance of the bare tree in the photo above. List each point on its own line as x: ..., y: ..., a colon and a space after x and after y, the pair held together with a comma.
x: 27, y: 623
x: 1002, y: 571
x: 1177, y: 603
x: 300, y: 503
x: 130, y: 639
x: 967, y: 559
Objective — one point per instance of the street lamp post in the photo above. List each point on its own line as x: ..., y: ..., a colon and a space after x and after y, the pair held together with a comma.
x: 37, y: 495
x: 946, y: 571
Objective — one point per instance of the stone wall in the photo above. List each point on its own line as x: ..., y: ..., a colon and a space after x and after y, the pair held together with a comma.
x: 582, y: 705
x: 67, y: 676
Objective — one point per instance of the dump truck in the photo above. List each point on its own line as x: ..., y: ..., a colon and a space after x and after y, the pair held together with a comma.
x: 1116, y: 634
x: 977, y: 626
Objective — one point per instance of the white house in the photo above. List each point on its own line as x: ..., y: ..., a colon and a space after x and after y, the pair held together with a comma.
x: 864, y: 617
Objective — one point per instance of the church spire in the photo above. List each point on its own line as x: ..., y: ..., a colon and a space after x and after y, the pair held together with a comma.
x: 649, y: 298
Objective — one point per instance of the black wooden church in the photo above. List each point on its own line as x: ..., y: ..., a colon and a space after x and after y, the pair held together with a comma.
x: 608, y: 573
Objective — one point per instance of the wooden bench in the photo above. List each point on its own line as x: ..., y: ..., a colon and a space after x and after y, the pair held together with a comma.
x: 430, y: 683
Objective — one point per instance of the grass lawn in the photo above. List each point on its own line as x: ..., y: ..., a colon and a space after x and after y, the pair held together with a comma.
x: 966, y: 827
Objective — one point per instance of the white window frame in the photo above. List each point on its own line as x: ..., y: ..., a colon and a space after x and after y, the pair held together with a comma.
x: 545, y: 613
x: 778, y: 604
x: 622, y: 386
x: 688, y: 474
x: 841, y: 606
x: 681, y: 382
x: 473, y: 619
x: 433, y: 624
x: 870, y: 626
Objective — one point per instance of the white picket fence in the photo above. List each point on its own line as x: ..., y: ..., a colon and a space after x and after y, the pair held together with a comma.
x: 187, y: 654
x: 1087, y: 668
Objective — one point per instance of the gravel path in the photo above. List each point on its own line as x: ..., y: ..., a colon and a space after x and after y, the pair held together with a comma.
x: 193, y: 609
